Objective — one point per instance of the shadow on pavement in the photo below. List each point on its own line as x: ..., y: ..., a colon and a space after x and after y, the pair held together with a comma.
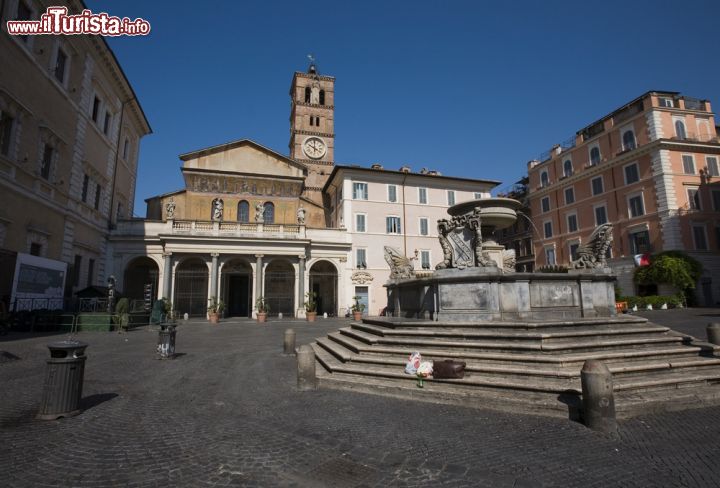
x: 91, y: 401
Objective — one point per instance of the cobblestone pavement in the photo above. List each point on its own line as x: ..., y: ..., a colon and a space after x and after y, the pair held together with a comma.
x: 691, y: 321
x: 226, y: 413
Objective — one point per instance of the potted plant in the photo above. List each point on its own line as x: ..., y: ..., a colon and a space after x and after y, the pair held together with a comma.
x: 121, y: 314
x: 311, y: 306
x: 262, y: 309
x: 357, y: 308
x: 215, y: 308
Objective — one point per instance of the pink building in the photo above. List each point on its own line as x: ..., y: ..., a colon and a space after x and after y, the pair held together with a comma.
x: 651, y: 168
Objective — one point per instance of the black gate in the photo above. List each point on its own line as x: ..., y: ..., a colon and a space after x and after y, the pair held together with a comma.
x: 323, y: 282
x: 191, y: 288
x: 280, y: 288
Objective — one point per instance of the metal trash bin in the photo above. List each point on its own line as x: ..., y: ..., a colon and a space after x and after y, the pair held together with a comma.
x: 166, y: 342
x: 64, y: 375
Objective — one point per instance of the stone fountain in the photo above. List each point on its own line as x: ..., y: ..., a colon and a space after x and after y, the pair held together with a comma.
x: 476, y: 279
x: 524, y: 336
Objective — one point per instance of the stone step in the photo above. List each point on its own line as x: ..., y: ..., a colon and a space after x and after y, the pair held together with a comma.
x: 557, y: 345
x: 548, y: 385
x: 515, y: 368
x: 599, y: 330
x: 639, y: 354
x: 627, y: 403
x: 476, y: 397
x: 399, y: 323
x: 663, y: 392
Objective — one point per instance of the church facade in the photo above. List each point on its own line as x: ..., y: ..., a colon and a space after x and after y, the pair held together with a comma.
x: 251, y: 222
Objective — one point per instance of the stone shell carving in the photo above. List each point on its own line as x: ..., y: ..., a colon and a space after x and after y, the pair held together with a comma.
x: 400, y: 265
x: 361, y: 277
x: 592, y: 254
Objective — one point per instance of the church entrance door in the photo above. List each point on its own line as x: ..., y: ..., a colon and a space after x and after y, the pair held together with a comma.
x: 238, y: 295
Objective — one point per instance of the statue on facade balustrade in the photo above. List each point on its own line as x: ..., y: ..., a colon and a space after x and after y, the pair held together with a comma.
x: 301, y: 215
x: 170, y: 209
x: 217, y: 209
x: 259, y: 213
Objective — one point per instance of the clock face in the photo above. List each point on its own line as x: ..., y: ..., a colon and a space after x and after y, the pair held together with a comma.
x: 314, y: 147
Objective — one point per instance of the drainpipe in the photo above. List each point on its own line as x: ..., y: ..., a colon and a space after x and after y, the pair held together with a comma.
x: 117, y: 157
x: 405, y: 225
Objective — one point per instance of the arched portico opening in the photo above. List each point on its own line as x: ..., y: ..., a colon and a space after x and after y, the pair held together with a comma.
x: 237, y: 285
x: 191, y: 288
x: 323, y: 282
x: 280, y: 287
x: 141, y: 275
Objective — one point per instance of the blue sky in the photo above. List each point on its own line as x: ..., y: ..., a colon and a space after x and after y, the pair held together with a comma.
x: 473, y: 89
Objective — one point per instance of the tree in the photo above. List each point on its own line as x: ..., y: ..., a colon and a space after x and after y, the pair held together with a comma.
x: 674, y: 268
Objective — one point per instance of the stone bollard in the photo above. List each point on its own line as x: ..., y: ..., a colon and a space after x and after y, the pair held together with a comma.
x: 306, y: 368
x: 713, y: 333
x: 289, y: 342
x: 597, y: 394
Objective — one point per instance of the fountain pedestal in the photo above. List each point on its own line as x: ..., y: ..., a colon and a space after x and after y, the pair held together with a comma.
x: 478, y: 294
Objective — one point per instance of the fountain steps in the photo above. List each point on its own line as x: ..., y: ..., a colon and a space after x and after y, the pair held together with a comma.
x: 531, y: 371
x: 495, y: 357
x: 410, y: 324
x: 605, y: 330
x: 581, y: 344
x: 509, y: 368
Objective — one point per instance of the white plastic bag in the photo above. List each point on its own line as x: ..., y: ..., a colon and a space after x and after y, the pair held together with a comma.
x: 413, y: 363
x: 425, y: 369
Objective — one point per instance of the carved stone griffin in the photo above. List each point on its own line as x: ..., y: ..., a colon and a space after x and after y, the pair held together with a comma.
x: 400, y: 266
x: 509, y: 260
x: 592, y: 254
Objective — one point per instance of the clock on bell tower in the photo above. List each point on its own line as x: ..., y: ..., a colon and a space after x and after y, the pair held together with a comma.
x: 312, y: 127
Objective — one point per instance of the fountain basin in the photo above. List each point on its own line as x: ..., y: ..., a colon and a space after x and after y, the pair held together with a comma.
x: 495, y: 213
x: 477, y: 294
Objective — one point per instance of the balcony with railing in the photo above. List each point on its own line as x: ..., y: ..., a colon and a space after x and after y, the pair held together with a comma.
x: 236, y: 229
x: 137, y: 227
x: 206, y: 228
x: 692, y: 137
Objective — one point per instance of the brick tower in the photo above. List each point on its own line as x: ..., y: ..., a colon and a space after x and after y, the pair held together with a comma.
x: 312, y: 132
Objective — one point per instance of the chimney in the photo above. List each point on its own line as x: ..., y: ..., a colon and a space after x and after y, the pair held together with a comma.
x: 405, y: 169
x: 376, y: 166
x: 532, y: 163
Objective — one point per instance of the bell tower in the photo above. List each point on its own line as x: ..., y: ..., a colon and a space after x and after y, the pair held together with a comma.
x: 312, y: 127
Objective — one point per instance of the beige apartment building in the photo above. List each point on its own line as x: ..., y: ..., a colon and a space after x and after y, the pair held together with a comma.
x: 651, y: 168
x: 398, y: 208
x: 70, y: 132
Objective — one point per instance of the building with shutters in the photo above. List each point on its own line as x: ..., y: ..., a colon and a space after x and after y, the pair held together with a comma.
x: 70, y: 132
x: 651, y: 168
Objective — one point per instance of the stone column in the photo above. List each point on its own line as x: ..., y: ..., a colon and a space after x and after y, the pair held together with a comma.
x: 167, y: 275
x: 259, y: 276
x: 301, y: 281
x: 214, y: 275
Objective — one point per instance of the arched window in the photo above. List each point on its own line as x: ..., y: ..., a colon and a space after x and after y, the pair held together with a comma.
x: 322, y: 97
x: 629, y: 140
x: 544, y: 179
x: 312, y: 120
x: 307, y: 94
x: 317, y: 121
x: 269, y: 213
x: 567, y: 168
x: 243, y: 214
x: 594, y: 155
x: 680, y: 129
